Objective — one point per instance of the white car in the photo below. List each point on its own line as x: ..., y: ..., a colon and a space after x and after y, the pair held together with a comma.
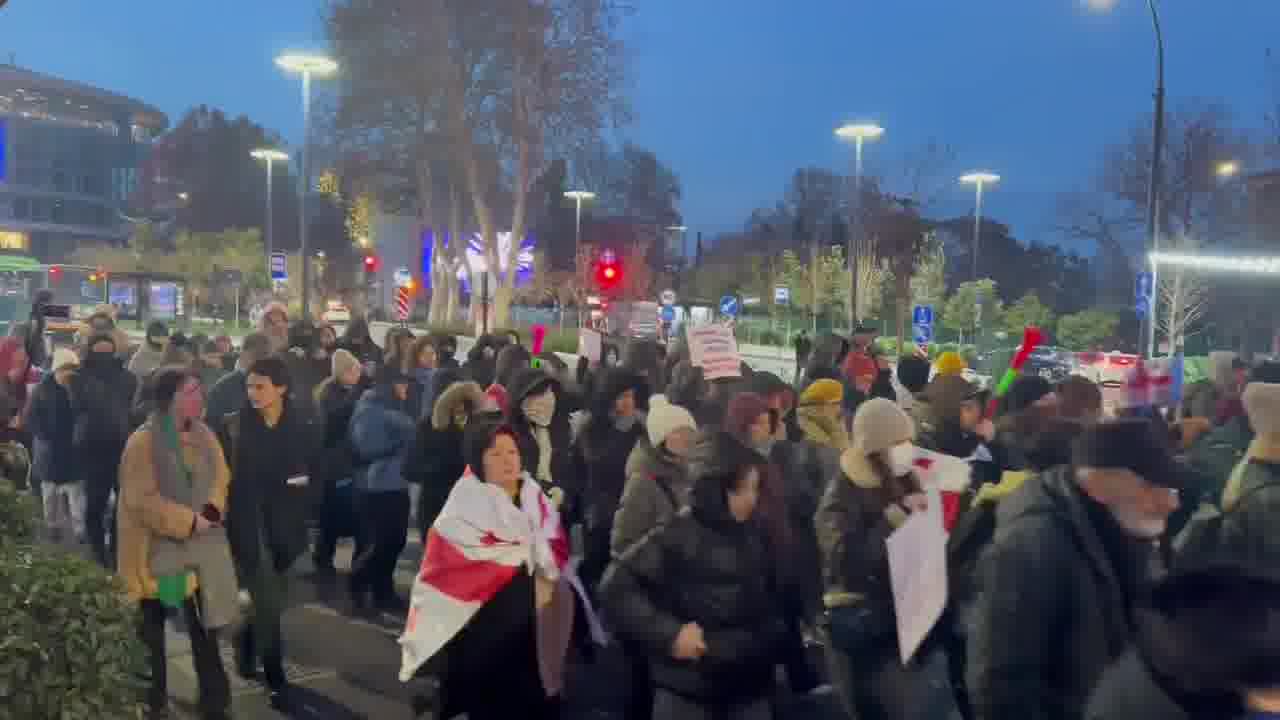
x: 336, y: 312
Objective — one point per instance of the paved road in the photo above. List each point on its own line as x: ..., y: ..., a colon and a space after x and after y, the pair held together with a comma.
x: 345, y: 668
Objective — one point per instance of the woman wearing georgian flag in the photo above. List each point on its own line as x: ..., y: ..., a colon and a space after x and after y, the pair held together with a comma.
x: 492, y: 608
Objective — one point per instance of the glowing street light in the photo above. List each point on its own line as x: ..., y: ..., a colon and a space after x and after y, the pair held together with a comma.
x: 1228, y: 169
x: 979, y: 179
x: 306, y: 65
x: 859, y: 134
x: 271, y: 155
x: 1223, y: 263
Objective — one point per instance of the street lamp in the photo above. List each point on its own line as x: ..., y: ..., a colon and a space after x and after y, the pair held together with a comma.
x: 979, y: 179
x: 859, y: 134
x: 578, y: 197
x: 1227, y: 169
x: 1157, y: 153
x: 271, y: 155
x: 1223, y: 263
x: 306, y: 65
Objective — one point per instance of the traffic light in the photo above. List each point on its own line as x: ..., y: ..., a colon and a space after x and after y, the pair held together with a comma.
x: 371, y: 264
x: 97, y: 275
x: 608, y: 274
x: 55, y: 273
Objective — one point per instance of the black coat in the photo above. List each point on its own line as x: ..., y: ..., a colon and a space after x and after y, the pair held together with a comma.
x: 704, y: 567
x: 51, y: 420
x: 435, y: 459
x: 1052, y: 613
x: 263, y: 509
x: 103, y: 398
x: 563, y: 468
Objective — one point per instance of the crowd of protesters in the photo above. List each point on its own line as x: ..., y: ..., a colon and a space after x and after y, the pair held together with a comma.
x: 1099, y: 565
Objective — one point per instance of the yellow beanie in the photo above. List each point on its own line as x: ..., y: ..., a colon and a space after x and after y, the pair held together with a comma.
x: 950, y: 363
x: 822, y: 392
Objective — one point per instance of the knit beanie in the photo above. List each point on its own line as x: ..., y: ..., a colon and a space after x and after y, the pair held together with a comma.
x: 950, y: 363
x: 880, y: 424
x: 1134, y: 444
x: 822, y: 392
x: 342, y: 362
x: 1262, y: 403
x: 743, y: 411
x: 665, y: 418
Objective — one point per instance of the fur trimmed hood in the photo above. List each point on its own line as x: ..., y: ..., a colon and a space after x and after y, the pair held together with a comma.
x: 463, y: 395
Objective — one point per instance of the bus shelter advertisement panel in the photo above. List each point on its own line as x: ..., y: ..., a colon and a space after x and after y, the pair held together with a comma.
x: 166, y: 301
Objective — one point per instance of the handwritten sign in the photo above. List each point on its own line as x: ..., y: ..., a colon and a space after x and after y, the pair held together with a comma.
x: 590, y: 345
x: 714, y: 349
x: 918, y: 575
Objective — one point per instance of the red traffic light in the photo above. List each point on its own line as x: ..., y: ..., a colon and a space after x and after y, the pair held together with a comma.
x: 370, y: 263
x: 608, y: 274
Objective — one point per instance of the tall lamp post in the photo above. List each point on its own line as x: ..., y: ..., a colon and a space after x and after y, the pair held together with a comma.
x: 1156, y: 179
x: 859, y: 134
x: 979, y: 180
x: 578, y: 197
x: 306, y: 65
x: 271, y: 155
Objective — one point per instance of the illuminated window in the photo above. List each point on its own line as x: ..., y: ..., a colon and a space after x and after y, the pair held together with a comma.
x: 14, y: 241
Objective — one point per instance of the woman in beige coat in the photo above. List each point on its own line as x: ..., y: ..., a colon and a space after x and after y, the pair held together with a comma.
x: 169, y: 526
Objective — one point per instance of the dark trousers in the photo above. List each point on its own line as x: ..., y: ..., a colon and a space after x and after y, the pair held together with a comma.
x: 215, y: 691
x: 337, y: 520
x: 802, y: 676
x: 384, y: 527
x: 261, y: 638
x: 97, y: 497
x: 639, y: 683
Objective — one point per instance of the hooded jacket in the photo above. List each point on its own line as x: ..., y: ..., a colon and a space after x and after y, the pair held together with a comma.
x: 705, y: 567
x: 435, y: 460
x: 529, y: 382
x: 1052, y: 613
x: 382, y: 432
x: 657, y: 487
x: 602, y: 449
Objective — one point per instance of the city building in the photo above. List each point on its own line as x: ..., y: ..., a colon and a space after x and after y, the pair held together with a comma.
x: 69, y: 161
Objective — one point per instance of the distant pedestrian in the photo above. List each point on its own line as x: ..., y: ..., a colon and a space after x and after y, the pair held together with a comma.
x: 52, y: 422
x: 150, y: 354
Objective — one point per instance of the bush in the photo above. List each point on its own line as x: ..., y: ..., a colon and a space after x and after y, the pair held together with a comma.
x: 19, y: 515
x: 70, y: 639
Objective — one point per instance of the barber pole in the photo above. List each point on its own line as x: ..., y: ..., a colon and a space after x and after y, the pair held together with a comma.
x: 404, y: 299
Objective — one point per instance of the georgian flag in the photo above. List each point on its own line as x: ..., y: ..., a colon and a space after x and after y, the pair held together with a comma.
x: 950, y: 475
x: 1154, y: 383
x: 473, y: 550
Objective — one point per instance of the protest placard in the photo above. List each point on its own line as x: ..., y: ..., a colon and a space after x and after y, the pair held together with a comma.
x: 590, y: 345
x: 918, y: 575
x: 714, y: 349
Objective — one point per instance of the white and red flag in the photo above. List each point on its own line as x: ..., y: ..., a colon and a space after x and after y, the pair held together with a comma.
x: 1154, y: 383
x: 950, y: 475
x: 473, y: 550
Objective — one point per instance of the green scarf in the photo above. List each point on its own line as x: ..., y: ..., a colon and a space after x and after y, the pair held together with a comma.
x: 172, y: 588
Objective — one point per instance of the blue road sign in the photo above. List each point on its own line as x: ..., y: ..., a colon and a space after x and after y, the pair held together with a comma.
x: 781, y: 295
x: 922, y: 315
x: 729, y: 306
x: 1142, y: 306
x: 279, y: 270
x: 668, y: 313
x: 922, y: 334
x: 1143, y: 286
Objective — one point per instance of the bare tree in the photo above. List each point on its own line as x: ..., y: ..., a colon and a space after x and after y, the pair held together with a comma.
x: 1185, y: 297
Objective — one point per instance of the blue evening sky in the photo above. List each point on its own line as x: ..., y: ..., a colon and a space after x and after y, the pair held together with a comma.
x: 736, y: 94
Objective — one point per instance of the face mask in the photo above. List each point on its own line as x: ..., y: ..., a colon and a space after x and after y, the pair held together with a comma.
x: 1139, y: 525
x: 901, y: 459
x: 540, y: 408
x: 98, y: 360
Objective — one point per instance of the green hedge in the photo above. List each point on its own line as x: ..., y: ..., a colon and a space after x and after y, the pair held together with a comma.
x: 69, y: 645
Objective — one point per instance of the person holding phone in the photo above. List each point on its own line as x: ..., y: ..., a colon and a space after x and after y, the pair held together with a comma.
x: 171, y: 549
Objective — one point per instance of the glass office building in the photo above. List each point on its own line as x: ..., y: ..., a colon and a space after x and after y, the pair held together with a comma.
x: 70, y: 157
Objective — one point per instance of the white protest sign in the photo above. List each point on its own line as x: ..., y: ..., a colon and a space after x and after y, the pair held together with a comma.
x: 714, y: 349
x: 918, y: 575
x: 590, y: 345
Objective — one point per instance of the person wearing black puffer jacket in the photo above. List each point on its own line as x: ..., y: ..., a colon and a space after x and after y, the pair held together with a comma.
x: 435, y: 459
x: 700, y: 595
x: 601, y: 447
